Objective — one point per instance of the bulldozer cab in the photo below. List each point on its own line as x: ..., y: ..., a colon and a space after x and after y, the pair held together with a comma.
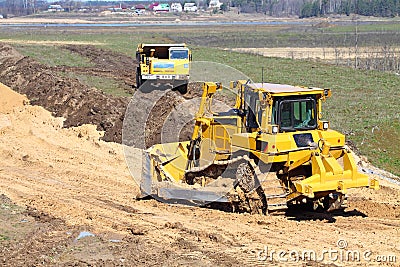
x: 289, y: 108
x: 294, y: 114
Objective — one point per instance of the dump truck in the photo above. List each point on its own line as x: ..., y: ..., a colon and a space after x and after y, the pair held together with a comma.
x: 270, y: 150
x: 161, y: 64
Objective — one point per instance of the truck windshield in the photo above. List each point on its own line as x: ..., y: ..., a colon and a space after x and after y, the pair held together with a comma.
x: 297, y: 114
x: 179, y: 54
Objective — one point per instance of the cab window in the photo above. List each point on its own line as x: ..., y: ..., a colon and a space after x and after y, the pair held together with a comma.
x: 297, y: 114
x: 179, y: 54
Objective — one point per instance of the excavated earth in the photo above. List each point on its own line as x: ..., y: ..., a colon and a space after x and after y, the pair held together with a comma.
x: 67, y: 97
x: 67, y: 197
x: 79, y: 104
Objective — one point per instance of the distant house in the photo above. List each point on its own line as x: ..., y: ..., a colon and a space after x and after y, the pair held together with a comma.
x: 190, y: 7
x: 115, y: 9
x: 161, y: 8
x: 140, y: 7
x: 55, y: 8
x: 215, y: 4
x: 151, y: 6
x: 176, y: 7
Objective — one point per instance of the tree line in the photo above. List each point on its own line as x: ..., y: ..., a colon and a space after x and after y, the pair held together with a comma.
x: 314, y: 8
x: 378, y: 8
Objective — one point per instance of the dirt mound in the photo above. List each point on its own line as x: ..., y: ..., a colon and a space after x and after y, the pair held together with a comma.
x: 35, y: 144
x: 10, y: 99
x: 63, y: 96
x: 78, y: 104
x: 168, y: 117
x: 148, y: 114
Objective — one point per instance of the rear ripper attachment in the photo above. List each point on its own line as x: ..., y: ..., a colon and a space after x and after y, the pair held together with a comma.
x: 271, y: 150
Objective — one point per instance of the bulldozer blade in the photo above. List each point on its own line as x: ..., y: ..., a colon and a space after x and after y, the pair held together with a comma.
x: 163, y: 173
x: 145, y: 181
x: 191, y: 196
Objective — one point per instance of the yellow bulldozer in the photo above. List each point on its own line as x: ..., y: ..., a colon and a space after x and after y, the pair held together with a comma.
x: 271, y: 150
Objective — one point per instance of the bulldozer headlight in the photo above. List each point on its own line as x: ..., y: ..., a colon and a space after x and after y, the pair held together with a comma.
x: 275, y: 129
x: 323, y: 125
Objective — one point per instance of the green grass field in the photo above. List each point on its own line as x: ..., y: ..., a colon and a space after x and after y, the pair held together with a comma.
x: 364, y: 104
x: 45, y: 55
x: 107, y: 85
x: 378, y: 27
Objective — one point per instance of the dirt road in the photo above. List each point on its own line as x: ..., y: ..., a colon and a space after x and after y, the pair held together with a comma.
x: 66, y: 182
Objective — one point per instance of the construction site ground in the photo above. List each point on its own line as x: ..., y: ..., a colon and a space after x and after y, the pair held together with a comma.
x: 67, y: 197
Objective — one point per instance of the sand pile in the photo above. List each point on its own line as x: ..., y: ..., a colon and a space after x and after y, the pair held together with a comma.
x: 10, y: 99
x: 63, y: 96
x: 57, y: 169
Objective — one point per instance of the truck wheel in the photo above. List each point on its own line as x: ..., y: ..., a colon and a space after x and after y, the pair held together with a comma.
x: 183, y: 89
